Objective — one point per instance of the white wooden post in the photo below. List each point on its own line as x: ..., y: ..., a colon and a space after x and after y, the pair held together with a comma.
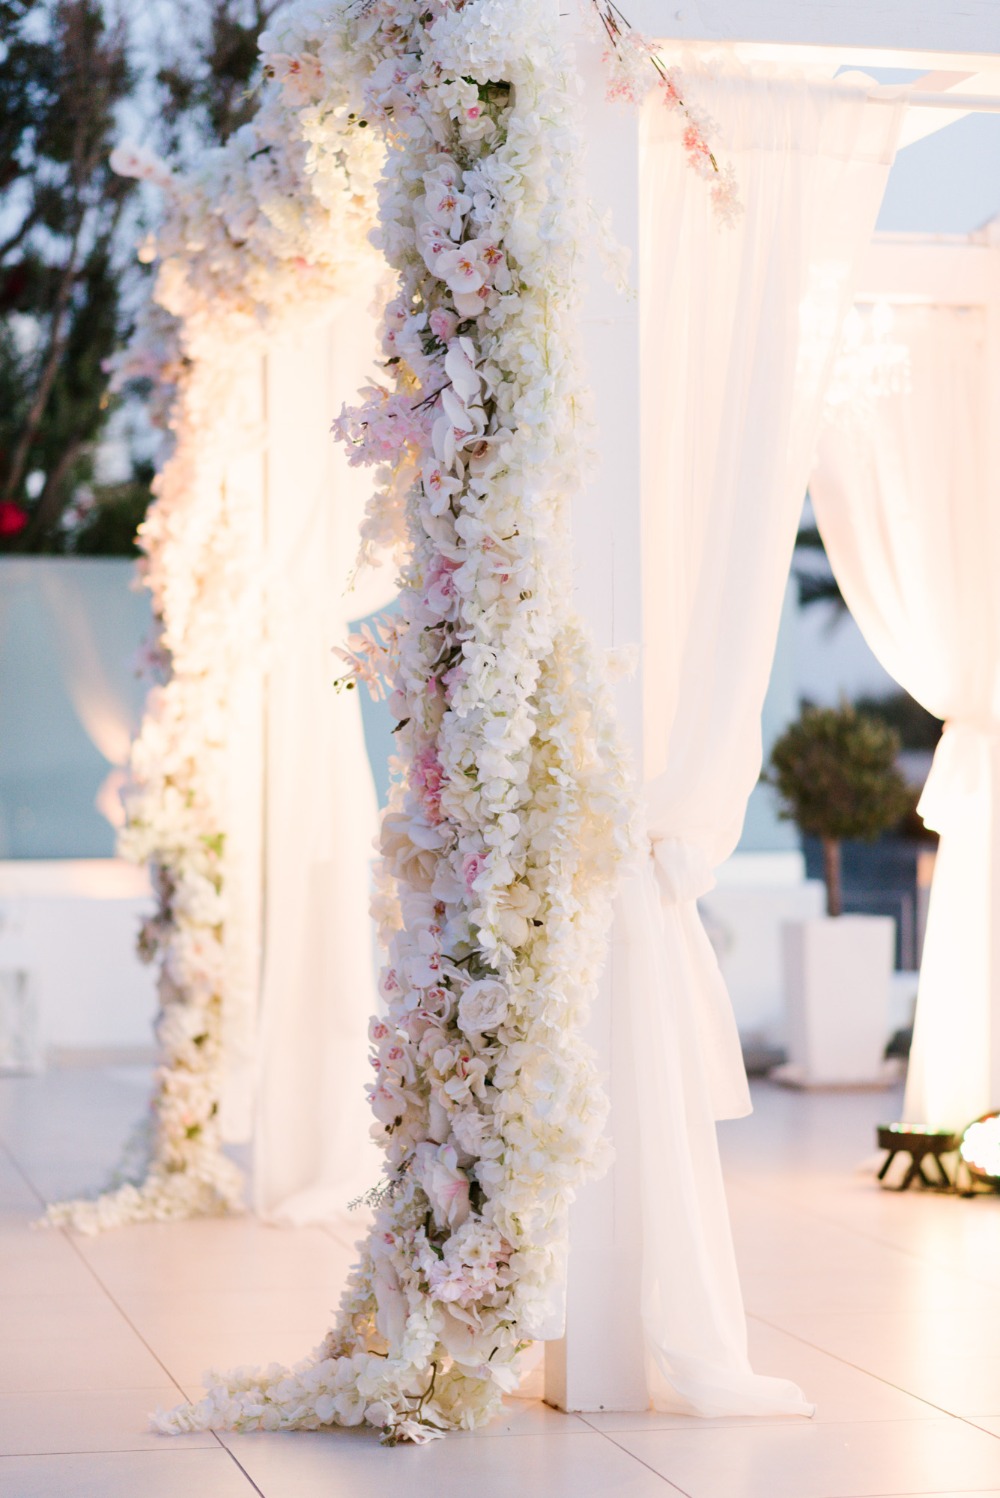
x: 907, y: 28
x: 245, y: 500
x: 599, y: 1363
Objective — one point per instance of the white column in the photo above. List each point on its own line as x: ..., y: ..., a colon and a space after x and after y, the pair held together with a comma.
x: 993, y: 480
x: 599, y: 1363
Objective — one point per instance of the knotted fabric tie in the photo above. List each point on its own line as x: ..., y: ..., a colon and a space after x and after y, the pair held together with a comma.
x: 682, y: 869
x: 965, y: 761
x: 670, y: 957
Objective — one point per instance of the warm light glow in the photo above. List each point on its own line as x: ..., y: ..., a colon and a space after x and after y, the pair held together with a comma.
x: 980, y: 1147
x: 109, y: 798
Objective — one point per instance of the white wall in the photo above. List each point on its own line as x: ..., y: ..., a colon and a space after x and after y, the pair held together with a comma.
x: 70, y: 700
x: 70, y: 927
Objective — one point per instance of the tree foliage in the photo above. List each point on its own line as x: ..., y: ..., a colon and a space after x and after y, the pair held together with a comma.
x: 208, y: 78
x: 917, y: 728
x: 813, y: 572
x: 835, y: 771
x: 68, y: 70
x: 64, y: 70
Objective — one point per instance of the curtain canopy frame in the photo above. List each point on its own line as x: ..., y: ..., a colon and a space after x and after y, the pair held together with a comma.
x: 961, y: 270
x: 922, y: 29
x: 971, y: 103
x: 599, y: 1364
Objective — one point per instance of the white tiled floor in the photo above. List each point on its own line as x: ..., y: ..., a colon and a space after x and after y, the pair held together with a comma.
x: 885, y: 1308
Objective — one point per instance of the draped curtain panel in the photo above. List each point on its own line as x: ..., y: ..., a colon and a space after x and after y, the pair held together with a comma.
x: 908, y: 511
x: 312, y: 1151
x: 740, y: 329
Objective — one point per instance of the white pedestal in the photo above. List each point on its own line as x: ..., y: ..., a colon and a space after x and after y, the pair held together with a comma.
x: 74, y: 923
x: 20, y: 1031
x: 837, y: 975
x: 756, y: 894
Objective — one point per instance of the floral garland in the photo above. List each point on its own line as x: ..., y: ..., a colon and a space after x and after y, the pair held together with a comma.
x: 505, y: 830
x: 267, y: 230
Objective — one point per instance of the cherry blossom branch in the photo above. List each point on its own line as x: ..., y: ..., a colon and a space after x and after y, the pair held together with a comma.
x: 629, y: 54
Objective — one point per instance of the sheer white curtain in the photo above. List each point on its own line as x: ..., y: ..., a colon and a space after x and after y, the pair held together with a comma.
x: 910, y: 517
x: 312, y: 1151
x: 740, y: 330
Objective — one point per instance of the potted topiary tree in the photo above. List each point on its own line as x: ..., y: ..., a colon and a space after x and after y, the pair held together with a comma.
x: 836, y: 775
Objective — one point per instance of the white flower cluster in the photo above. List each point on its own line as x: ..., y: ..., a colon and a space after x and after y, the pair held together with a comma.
x: 267, y: 229
x: 511, y: 809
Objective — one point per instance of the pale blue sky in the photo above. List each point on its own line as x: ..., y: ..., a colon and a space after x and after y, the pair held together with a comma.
x: 948, y: 183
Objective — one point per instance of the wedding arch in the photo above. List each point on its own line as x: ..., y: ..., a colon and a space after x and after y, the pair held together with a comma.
x: 513, y: 818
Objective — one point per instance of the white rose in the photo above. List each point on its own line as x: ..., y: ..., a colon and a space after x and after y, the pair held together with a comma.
x: 469, y: 1128
x: 483, y: 1006
x: 411, y: 863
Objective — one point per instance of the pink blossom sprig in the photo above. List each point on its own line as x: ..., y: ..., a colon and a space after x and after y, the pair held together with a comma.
x: 370, y: 657
x: 628, y: 56
x: 383, y: 425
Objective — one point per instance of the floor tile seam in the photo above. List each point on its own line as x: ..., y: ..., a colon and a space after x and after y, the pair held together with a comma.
x: 19, y: 1169
x: 714, y: 1424
x: 18, y: 1456
x: 785, y: 1196
x: 19, y: 1295
x: 329, y: 1231
x: 482, y: 1433
x: 595, y: 1428
x: 869, y: 1237
x: 71, y: 1240
x: 7, y: 1152
x: 103, y: 1451
x: 972, y: 1420
x: 239, y: 1465
x: 909, y: 1312
x: 805, y: 1423
x: 117, y: 1389
x: 672, y: 1486
x: 846, y: 1362
x: 485, y: 1434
